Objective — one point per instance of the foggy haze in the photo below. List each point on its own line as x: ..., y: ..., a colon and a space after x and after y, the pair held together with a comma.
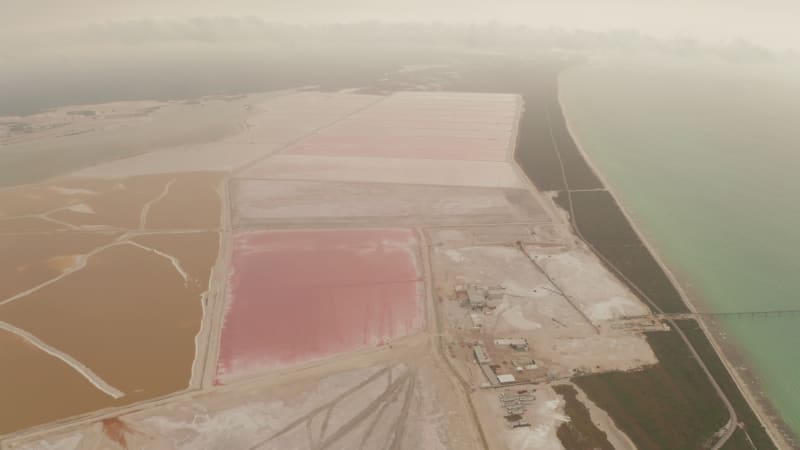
x: 406, y: 224
x: 766, y: 23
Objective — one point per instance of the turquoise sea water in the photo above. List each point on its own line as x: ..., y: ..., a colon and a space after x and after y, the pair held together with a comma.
x: 706, y: 158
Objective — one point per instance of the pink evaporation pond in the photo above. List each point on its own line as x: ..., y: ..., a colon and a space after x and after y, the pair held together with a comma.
x: 300, y: 295
x: 404, y: 147
x: 444, y: 127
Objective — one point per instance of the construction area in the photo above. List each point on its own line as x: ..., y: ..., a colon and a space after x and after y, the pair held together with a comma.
x: 528, y: 308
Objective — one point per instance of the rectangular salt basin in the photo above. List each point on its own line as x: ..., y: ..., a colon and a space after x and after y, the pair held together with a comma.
x: 300, y: 295
x: 293, y: 202
x: 430, y: 126
x: 395, y: 129
x: 493, y: 174
x: 475, y: 150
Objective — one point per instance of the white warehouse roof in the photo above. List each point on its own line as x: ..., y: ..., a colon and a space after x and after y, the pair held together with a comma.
x: 507, y: 378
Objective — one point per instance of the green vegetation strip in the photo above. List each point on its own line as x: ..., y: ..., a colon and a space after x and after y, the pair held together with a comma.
x: 738, y: 441
x: 670, y: 405
x: 750, y: 424
x: 580, y: 432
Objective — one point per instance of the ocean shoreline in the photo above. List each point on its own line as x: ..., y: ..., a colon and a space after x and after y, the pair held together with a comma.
x: 761, y: 406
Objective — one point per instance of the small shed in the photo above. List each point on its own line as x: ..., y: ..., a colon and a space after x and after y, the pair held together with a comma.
x: 506, y: 378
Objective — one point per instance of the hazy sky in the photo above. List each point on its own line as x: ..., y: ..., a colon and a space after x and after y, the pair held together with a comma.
x: 766, y: 22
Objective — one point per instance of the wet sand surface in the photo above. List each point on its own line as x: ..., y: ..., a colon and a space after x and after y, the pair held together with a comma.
x: 27, y: 260
x: 301, y: 295
x: 191, y: 202
x: 37, y: 387
x: 128, y: 316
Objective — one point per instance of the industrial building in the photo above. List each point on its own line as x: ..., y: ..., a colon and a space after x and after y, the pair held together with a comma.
x: 481, y: 355
x: 476, y: 297
x: 518, y: 344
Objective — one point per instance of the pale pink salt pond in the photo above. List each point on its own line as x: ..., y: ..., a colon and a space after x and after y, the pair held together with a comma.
x: 300, y: 295
x: 424, y: 147
x: 435, y: 126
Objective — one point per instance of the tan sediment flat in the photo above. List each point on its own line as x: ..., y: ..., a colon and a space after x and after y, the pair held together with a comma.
x: 61, y: 263
x: 38, y: 388
x: 191, y: 202
x: 212, y: 156
x: 27, y: 260
x: 76, y: 365
x: 118, y: 203
x: 36, y: 199
x: 127, y: 315
x: 196, y: 253
x: 29, y: 225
